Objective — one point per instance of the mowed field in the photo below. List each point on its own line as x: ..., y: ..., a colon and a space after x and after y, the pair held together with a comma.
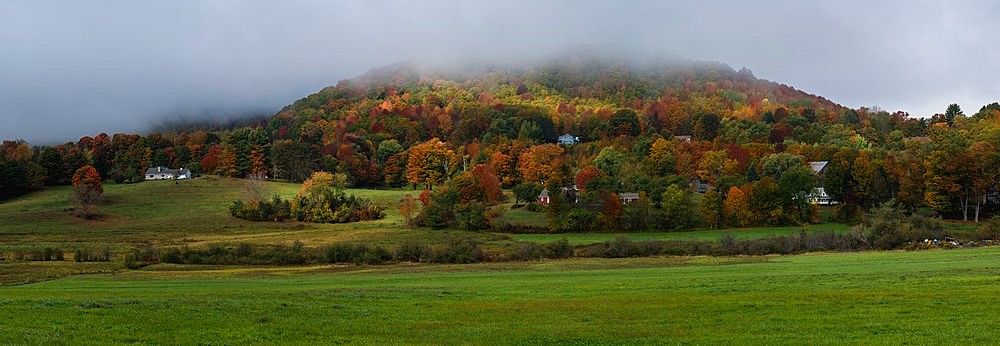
x: 926, y: 297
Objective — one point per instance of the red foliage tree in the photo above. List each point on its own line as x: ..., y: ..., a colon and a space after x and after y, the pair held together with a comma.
x: 585, y: 176
x: 488, y: 183
x: 211, y: 159
x: 87, y: 190
x: 425, y: 197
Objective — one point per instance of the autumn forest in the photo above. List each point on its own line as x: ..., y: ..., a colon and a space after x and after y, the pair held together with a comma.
x: 644, y: 138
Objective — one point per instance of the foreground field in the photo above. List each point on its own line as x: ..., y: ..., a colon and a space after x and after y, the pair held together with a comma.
x: 930, y: 297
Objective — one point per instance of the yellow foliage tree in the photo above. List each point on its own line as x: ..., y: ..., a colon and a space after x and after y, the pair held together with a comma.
x: 430, y: 163
x: 539, y: 162
x: 736, y: 207
x: 715, y: 163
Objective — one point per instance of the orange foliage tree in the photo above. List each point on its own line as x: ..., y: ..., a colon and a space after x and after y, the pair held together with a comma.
x: 503, y: 166
x: 87, y: 190
x: 539, y: 162
x: 430, y: 163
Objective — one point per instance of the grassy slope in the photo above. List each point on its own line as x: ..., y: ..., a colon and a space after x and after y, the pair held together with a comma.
x: 190, y: 213
x: 931, y: 297
x: 194, y: 213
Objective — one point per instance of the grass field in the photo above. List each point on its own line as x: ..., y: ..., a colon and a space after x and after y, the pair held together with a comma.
x: 706, y: 235
x: 193, y: 212
x: 928, y: 297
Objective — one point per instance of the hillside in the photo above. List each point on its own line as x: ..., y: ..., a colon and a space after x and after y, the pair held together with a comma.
x: 642, y: 126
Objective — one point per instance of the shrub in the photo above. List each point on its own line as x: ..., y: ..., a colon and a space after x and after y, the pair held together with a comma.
x: 374, y: 255
x: 356, y: 253
x: 320, y: 200
x: 889, y: 228
x: 471, y: 216
x: 559, y: 249
x: 341, y: 253
x: 574, y: 221
x: 281, y: 254
x: 172, y: 256
x: 459, y: 251
x: 991, y: 230
x: 528, y: 252
x: 535, y: 207
x: 40, y: 254
x: 88, y: 255
x: 622, y: 246
x: 141, y: 256
x: 276, y: 209
x: 412, y: 251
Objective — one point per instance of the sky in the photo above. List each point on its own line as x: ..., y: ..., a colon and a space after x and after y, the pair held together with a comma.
x: 75, y: 68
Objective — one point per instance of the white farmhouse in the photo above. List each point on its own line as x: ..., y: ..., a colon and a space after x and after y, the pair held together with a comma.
x: 568, y: 139
x: 161, y: 173
x: 818, y: 195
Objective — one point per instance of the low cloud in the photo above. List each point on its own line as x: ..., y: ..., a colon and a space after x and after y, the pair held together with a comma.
x: 71, y: 68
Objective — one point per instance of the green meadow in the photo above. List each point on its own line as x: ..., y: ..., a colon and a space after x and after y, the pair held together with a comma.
x: 922, y: 297
x: 928, y: 297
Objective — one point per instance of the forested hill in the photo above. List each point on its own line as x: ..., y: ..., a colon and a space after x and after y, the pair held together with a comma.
x: 578, y: 95
x: 641, y: 126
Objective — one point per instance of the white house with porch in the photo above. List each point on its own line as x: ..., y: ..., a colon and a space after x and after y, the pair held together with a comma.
x: 163, y: 173
x: 818, y: 194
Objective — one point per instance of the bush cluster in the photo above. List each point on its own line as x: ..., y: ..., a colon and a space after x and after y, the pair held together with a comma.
x: 40, y: 254
x: 141, y: 256
x: 242, y: 254
x: 356, y: 253
x: 890, y: 228
x: 534, y: 251
x: 277, y: 209
x: 337, y: 208
x: 623, y: 246
x: 89, y: 255
x: 991, y: 231
x: 459, y: 251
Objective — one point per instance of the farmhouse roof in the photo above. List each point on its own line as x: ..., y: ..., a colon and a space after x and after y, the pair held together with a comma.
x: 818, y: 166
x: 161, y: 169
x: 158, y: 169
x: 568, y: 138
x: 545, y: 193
x: 630, y: 195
